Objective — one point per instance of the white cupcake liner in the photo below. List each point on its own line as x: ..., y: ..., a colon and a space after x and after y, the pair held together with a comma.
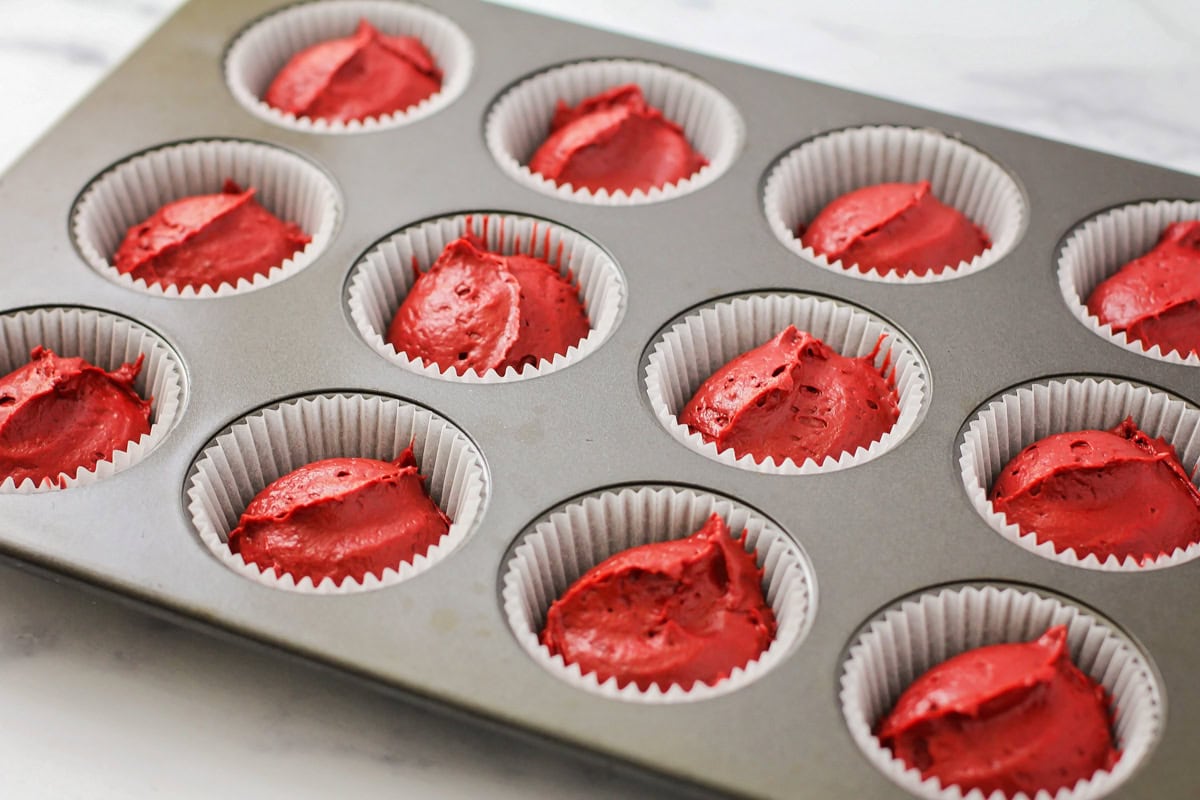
x: 1100, y: 246
x: 904, y: 641
x: 1020, y: 417
x: 288, y: 185
x: 107, y: 341
x: 261, y: 51
x: 567, y: 543
x: 520, y: 121
x: 822, y: 169
x: 384, y: 275
x: 706, y: 339
x: 267, y: 444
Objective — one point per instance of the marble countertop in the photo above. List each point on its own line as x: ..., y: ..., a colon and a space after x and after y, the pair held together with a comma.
x: 105, y: 702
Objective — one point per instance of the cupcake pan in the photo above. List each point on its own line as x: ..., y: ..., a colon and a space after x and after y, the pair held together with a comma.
x: 128, y: 192
x: 691, y: 350
x: 520, y: 120
x: 573, y: 539
x: 824, y: 168
x: 384, y: 275
x: 258, y: 54
x: 874, y: 533
x: 108, y: 341
x: 257, y: 450
x: 1020, y: 417
x: 915, y: 635
x: 1100, y: 246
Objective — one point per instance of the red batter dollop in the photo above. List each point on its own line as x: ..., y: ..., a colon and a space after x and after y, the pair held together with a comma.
x: 678, y: 612
x: 615, y: 141
x: 1155, y: 299
x: 793, y: 397
x: 895, y: 227
x: 341, y: 518
x: 365, y: 75
x: 1007, y: 717
x: 478, y: 310
x: 207, y: 240
x: 59, y: 415
x: 1101, y: 493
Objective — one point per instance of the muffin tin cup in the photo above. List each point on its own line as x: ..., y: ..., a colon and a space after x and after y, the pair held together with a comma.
x: 828, y: 166
x: 907, y: 639
x: 107, y: 341
x: 127, y: 193
x: 265, y: 47
x: 1100, y: 246
x: 520, y: 121
x: 1021, y: 416
x: 560, y: 548
x: 384, y: 275
x: 691, y: 350
x: 267, y: 444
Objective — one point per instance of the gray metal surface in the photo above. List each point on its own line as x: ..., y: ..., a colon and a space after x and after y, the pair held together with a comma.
x: 874, y: 533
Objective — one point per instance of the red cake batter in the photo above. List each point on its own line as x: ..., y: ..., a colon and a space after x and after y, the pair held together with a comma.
x: 1007, y: 717
x: 341, y: 518
x: 1155, y: 299
x: 678, y: 612
x: 1101, y: 493
x: 895, y: 227
x: 60, y: 415
x: 615, y: 141
x: 793, y: 397
x: 368, y: 74
x: 478, y: 310
x: 207, y: 240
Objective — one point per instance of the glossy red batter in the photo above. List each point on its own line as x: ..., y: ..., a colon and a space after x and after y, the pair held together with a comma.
x: 207, y: 240
x: 615, y: 141
x: 895, y: 227
x: 478, y: 310
x: 341, y: 518
x: 365, y: 75
x: 1104, y: 493
x: 793, y: 397
x: 684, y: 611
x: 1155, y: 299
x: 60, y: 415
x: 1008, y: 717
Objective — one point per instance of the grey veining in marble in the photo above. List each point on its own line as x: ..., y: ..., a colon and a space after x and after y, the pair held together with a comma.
x: 100, y: 701
x: 53, y: 51
x: 103, y: 702
x: 1107, y: 74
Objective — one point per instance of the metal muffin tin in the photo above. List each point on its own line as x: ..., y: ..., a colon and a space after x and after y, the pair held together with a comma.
x: 875, y: 533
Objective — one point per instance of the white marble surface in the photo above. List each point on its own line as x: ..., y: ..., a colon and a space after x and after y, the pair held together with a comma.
x: 102, y: 702
x: 1114, y: 75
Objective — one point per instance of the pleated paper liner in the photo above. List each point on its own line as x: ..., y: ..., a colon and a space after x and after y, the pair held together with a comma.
x: 705, y: 339
x: 519, y: 122
x: 262, y: 49
x: 828, y: 166
x: 384, y: 275
x: 269, y: 443
x: 289, y: 186
x: 1100, y: 246
x: 558, y: 549
x: 917, y: 633
x: 1021, y: 416
x: 107, y: 341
